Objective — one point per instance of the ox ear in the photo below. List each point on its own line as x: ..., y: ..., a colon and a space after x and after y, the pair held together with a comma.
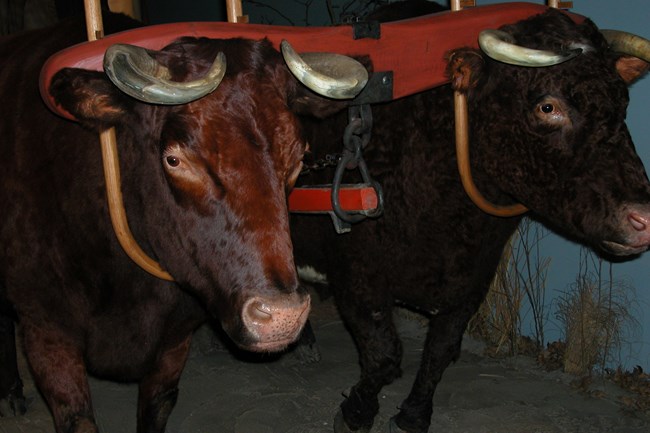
x: 631, y: 68
x: 634, y: 51
x: 465, y: 68
x: 90, y: 97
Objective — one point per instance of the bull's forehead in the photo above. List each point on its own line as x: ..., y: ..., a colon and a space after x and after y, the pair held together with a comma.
x: 591, y: 84
x: 587, y: 82
x: 553, y: 30
x: 237, y: 126
x: 216, y: 157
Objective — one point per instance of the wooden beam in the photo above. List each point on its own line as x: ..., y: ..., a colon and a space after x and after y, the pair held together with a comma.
x: 235, y: 12
x: 127, y: 7
x: 108, y: 141
x: 560, y: 4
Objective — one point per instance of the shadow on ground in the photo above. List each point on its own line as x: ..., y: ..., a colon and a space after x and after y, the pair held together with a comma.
x: 223, y: 393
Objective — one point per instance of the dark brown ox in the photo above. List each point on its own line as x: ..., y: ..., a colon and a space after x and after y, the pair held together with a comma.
x: 205, y: 187
x: 551, y: 138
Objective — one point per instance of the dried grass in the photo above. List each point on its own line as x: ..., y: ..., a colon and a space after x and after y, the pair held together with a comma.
x: 520, y: 278
x: 638, y: 383
x: 596, y: 316
x: 497, y: 320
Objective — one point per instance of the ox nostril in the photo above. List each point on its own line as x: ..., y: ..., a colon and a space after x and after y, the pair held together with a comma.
x: 258, y: 312
x: 638, y: 221
x: 272, y: 323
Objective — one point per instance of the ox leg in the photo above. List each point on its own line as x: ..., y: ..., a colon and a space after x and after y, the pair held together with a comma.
x: 60, y: 374
x: 380, y: 356
x: 442, y: 347
x: 158, y: 391
x: 12, y: 400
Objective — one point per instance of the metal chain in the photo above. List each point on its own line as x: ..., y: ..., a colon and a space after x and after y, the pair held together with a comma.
x: 357, y: 134
x: 330, y: 160
x: 355, y: 138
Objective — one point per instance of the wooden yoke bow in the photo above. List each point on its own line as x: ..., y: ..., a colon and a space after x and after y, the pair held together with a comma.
x: 108, y: 140
x: 461, y: 82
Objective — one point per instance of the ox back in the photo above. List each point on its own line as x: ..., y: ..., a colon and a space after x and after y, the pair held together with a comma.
x: 205, y: 188
x: 551, y: 138
x: 26, y: 128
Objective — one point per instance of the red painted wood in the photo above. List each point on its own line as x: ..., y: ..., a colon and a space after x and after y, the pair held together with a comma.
x: 319, y: 199
x: 413, y: 49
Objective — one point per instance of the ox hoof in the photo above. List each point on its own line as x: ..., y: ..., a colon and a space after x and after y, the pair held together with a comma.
x: 341, y: 427
x: 12, y: 405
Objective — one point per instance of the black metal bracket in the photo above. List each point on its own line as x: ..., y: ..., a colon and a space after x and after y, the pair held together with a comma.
x: 378, y: 89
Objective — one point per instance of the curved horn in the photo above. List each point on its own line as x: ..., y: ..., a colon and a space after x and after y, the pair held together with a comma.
x: 499, y: 46
x: 328, y: 74
x: 137, y: 74
x: 628, y: 43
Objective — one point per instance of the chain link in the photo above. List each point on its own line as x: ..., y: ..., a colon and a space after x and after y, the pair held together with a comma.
x: 355, y: 138
x: 330, y: 160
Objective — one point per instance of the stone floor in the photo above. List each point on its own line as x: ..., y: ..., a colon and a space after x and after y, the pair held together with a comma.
x: 222, y: 392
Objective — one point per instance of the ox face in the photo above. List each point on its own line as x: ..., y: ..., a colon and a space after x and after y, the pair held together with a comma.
x: 212, y: 201
x: 558, y: 142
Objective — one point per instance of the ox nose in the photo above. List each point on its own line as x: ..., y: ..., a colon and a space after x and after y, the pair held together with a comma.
x: 638, y: 221
x: 274, y: 323
x: 638, y: 218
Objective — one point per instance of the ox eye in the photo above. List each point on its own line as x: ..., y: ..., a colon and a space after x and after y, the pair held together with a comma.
x: 553, y: 112
x: 172, y: 161
x: 547, y: 108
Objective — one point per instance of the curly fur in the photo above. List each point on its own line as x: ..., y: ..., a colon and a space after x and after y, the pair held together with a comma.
x: 433, y: 248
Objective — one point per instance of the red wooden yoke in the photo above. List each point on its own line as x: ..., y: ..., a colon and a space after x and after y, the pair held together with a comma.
x: 413, y: 49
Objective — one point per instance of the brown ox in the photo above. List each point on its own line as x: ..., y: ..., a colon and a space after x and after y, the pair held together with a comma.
x: 205, y: 188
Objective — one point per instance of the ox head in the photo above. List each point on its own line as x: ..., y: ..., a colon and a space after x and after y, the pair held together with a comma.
x: 552, y: 136
x: 206, y: 182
